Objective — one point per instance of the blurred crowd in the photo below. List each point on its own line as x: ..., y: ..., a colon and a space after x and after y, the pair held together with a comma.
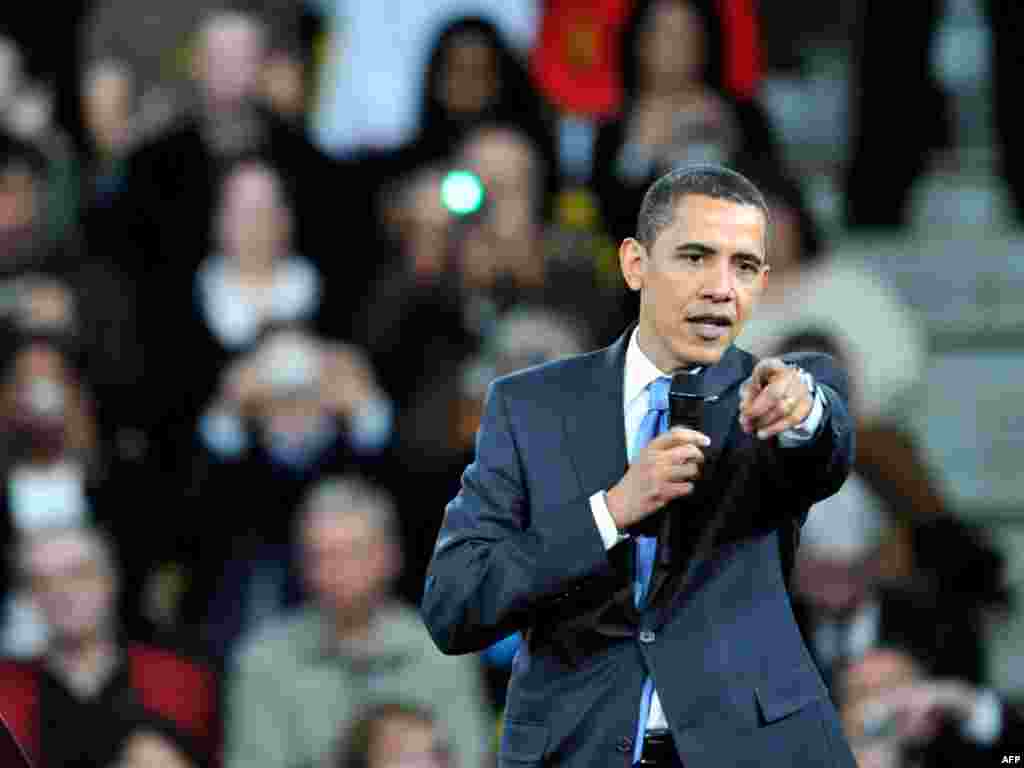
x: 248, y: 321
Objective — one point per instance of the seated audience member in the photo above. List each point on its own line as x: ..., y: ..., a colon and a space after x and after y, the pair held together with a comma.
x: 49, y: 462
x: 293, y: 409
x: 64, y: 705
x: 844, y: 608
x: 353, y: 646
x: 509, y: 253
x: 394, y: 735
x: 882, y: 339
x: 675, y: 108
x: 896, y: 714
x: 59, y: 289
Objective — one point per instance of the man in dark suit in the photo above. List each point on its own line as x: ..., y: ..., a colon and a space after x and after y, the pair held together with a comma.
x: 661, y: 638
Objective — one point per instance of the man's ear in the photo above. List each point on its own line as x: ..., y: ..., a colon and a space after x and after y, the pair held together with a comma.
x: 633, y: 262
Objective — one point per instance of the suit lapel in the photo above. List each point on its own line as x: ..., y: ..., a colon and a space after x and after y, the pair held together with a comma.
x: 596, y: 439
x: 595, y: 427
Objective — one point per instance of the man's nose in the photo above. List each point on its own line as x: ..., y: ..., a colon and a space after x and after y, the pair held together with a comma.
x: 718, y: 283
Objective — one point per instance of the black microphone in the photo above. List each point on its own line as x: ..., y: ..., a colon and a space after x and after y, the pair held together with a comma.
x: 687, y: 407
x: 688, y: 401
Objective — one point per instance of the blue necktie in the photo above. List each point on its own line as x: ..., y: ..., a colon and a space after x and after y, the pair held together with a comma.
x: 655, y: 422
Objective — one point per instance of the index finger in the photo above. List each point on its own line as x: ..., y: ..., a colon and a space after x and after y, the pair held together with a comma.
x: 680, y: 436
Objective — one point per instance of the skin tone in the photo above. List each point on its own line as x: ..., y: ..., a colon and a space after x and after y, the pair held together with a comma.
x: 230, y: 61
x: 507, y: 164
x: 424, y: 225
x: 255, y: 225
x: 145, y: 749
x: 18, y: 190
x: 107, y: 107
x: 672, y: 47
x: 698, y: 283
x: 349, y: 565
x: 835, y: 587
x: 470, y: 81
x: 404, y: 742
x: 671, y: 57
x: 75, y: 591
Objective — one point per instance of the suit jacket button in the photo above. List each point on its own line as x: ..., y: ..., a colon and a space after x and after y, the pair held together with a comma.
x: 625, y: 744
x: 646, y: 636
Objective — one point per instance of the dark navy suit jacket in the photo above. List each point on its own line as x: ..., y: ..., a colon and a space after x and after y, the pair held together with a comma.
x: 519, y: 550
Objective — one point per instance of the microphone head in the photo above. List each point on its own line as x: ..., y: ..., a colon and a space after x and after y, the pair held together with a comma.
x: 687, y: 384
x: 687, y: 401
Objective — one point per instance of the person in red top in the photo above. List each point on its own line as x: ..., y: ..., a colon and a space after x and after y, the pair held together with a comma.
x: 63, y: 706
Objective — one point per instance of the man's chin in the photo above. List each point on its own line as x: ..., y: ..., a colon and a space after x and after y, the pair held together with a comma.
x: 708, y: 353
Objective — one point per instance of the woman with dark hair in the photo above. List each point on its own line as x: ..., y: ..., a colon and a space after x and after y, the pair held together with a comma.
x: 676, y: 109
x: 473, y: 77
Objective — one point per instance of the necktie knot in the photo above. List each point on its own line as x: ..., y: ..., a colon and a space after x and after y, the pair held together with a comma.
x: 659, y: 393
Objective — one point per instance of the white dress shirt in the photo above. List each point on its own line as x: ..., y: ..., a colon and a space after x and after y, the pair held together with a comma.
x: 640, y: 371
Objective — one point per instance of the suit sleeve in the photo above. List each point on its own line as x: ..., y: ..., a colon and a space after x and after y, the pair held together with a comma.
x: 497, y: 559
x: 817, y: 469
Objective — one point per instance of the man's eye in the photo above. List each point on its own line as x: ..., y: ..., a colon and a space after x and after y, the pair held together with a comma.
x: 694, y: 258
x: 750, y: 267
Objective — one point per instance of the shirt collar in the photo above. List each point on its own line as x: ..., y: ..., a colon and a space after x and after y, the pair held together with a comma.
x: 386, y: 644
x: 640, y: 370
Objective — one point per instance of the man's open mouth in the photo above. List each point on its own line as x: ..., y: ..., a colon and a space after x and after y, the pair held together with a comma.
x: 718, y: 320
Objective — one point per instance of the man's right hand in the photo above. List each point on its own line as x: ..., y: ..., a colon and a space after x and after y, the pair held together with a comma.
x: 666, y: 469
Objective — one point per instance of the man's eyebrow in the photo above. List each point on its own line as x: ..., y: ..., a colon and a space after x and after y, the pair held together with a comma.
x: 698, y: 247
x: 707, y: 250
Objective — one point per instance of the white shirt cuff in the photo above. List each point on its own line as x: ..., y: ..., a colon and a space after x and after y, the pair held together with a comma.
x: 603, y: 519
x: 808, y: 428
x: 986, y: 722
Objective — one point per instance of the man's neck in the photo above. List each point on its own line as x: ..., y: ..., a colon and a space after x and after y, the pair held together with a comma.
x: 255, y: 274
x: 667, y: 368
x: 85, y: 664
x: 351, y: 629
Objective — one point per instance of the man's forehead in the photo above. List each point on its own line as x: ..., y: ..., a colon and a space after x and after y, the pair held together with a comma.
x: 701, y: 216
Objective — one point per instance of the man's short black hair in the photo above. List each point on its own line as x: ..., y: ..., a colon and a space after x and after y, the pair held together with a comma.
x: 717, y: 181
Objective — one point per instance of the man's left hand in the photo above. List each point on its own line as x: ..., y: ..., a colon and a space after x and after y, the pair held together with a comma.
x: 773, y: 399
